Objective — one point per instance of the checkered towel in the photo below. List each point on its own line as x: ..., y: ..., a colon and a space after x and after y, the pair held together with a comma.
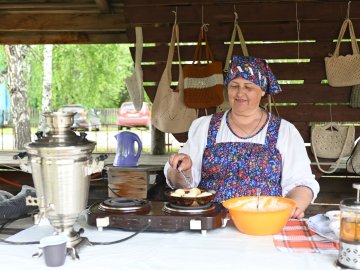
x: 297, y: 237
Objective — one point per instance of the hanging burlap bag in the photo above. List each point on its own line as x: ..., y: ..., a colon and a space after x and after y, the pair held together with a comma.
x: 169, y: 113
x: 344, y: 70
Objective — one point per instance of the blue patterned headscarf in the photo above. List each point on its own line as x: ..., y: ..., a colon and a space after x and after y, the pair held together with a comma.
x: 255, y: 70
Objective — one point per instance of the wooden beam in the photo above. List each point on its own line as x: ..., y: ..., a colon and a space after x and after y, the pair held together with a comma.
x: 62, y: 22
x: 314, y: 50
x: 39, y: 5
x: 299, y: 93
x: 57, y: 8
x: 63, y: 37
x: 310, y: 30
x: 204, y: 2
x: 313, y: 71
x: 47, y: 8
x: 313, y: 93
x: 103, y: 5
x: 313, y: 113
x: 270, y: 11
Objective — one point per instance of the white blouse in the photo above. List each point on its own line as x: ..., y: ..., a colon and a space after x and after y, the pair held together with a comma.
x: 295, y: 161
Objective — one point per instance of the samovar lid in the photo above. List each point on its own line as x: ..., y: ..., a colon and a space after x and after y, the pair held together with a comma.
x: 352, y: 203
x: 59, y: 133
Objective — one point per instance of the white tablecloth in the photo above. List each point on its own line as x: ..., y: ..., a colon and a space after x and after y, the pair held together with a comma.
x: 223, y: 248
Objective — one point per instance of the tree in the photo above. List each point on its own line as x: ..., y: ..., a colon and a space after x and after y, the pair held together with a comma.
x: 92, y: 75
x: 18, y: 93
x: 46, y: 93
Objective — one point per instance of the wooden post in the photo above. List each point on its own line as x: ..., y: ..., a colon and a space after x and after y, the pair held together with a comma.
x: 157, y: 142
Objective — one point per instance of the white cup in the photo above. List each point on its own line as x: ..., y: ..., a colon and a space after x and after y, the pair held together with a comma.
x: 54, y: 249
x: 333, y: 215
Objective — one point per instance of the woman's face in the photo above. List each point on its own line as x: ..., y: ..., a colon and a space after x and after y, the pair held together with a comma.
x: 244, y: 95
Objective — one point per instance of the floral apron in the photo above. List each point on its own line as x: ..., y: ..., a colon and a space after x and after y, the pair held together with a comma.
x: 235, y: 169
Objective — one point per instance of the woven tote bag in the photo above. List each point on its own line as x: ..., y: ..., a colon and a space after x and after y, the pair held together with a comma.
x: 344, y: 70
x: 203, y: 83
x: 169, y: 113
x: 333, y: 142
x: 225, y: 105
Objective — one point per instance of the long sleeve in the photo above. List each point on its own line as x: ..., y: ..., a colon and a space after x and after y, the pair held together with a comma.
x: 296, y: 170
x: 195, y: 146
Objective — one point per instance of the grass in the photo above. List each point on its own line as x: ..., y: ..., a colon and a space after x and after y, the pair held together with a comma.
x: 6, y: 130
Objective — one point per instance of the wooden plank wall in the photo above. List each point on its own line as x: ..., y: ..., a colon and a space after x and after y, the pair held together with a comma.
x: 275, y: 22
x: 62, y: 22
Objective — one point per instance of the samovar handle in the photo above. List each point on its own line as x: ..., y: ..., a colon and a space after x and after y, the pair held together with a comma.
x: 96, y: 166
x: 24, y: 164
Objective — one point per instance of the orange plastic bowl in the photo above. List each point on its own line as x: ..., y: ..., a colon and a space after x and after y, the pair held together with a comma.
x: 270, y: 218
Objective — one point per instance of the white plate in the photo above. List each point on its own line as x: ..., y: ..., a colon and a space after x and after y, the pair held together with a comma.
x: 320, y: 224
x: 333, y: 215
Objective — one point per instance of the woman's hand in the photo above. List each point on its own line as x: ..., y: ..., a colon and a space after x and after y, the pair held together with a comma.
x: 179, y: 174
x: 181, y: 162
x: 303, y: 197
x: 297, y: 213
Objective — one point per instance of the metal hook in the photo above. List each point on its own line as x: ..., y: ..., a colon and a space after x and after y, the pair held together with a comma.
x: 348, y: 10
x: 204, y: 26
x: 175, y: 13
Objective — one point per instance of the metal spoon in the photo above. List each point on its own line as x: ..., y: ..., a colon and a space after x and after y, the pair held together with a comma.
x: 258, y: 192
x: 187, y: 178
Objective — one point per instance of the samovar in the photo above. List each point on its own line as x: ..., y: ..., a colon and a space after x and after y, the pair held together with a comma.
x: 61, y: 162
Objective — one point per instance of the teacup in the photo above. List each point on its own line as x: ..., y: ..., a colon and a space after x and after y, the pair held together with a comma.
x: 54, y: 250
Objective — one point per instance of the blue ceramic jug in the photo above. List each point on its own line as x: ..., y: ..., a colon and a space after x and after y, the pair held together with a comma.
x: 125, y: 152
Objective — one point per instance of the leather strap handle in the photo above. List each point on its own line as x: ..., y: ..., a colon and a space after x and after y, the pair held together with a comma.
x: 244, y: 49
x: 354, y: 44
x: 138, y: 45
x: 174, y: 37
x: 198, y: 51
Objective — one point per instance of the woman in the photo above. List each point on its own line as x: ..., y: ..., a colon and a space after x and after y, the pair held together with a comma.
x: 245, y: 148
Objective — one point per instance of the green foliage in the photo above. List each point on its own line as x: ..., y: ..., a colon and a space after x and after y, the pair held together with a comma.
x: 2, y: 58
x: 92, y: 75
x: 34, y: 77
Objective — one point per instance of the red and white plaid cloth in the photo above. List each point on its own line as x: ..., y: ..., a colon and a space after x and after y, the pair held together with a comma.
x: 297, y: 237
